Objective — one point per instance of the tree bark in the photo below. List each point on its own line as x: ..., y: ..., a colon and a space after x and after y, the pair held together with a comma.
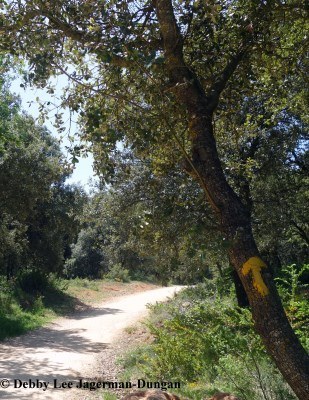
x: 268, y: 313
x: 241, y: 295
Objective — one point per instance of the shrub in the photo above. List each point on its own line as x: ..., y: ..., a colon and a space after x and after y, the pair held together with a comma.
x: 32, y: 280
x: 295, y: 299
x: 117, y: 273
x: 6, y: 295
x: 87, y: 260
x: 202, y: 338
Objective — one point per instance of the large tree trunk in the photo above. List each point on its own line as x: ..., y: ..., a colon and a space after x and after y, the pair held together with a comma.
x: 268, y: 314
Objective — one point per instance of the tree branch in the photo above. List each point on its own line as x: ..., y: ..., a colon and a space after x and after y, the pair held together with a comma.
x: 57, y: 22
x: 220, y: 83
x: 302, y: 233
x: 172, y: 41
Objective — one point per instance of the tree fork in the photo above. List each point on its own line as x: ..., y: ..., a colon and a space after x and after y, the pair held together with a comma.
x: 269, y: 317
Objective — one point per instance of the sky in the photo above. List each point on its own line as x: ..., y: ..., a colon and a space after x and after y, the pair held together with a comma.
x: 83, y: 171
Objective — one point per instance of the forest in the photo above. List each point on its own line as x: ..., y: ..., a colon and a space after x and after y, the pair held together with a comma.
x: 195, y: 113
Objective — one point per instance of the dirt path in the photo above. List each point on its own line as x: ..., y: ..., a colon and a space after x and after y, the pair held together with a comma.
x: 68, y: 349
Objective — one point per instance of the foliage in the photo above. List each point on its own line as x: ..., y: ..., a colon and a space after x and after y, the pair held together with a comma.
x: 54, y: 226
x: 19, y: 311
x: 87, y: 259
x: 9, y: 106
x: 295, y: 297
x: 118, y: 273
x: 158, y: 228
x: 267, y: 165
x: 290, y: 281
x: 117, y: 66
x: 32, y: 281
x: 37, y: 210
x: 150, y: 227
x: 259, y: 135
x: 201, y: 337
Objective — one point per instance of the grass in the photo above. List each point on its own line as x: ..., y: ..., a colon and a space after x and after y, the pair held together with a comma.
x: 21, y: 311
x: 189, y: 345
x: 109, y: 396
x: 19, y: 321
x: 92, y: 292
x: 131, y: 329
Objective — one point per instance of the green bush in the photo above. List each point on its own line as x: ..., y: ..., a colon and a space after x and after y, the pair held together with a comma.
x: 38, y: 305
x: 19, y: 311
x: 32, y: 280
x: 203, y: 340
x: 6, y: 295
x: 87, y: 259
x: 295, y: 298
x: 191, y: 343
x: 117, y: 273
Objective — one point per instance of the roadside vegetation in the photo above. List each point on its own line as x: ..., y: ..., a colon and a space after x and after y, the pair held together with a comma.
x: 202, y: 339
x: 29, y: 302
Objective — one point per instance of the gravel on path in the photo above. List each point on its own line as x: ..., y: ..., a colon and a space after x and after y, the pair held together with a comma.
x: 82, y: 346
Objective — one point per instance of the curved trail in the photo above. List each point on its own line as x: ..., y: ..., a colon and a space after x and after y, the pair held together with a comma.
x: 69, y: 348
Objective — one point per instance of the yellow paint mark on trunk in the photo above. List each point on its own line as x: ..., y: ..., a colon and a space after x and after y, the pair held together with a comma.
x: 255, y: 264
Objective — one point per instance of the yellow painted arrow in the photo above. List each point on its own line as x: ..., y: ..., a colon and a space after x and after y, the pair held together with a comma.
x: 255, y: 264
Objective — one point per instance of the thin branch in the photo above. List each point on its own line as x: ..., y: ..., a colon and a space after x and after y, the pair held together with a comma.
x: 198, y: 175
x: 302, y: 233
x: 101, y: 91
x: 220, y: 83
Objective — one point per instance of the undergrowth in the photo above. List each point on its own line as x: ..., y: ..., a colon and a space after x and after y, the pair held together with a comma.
x: 203, y: 340
x: 19, y: 311
x: 33, y: 299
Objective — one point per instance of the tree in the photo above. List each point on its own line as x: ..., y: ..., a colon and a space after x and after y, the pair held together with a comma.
x: 53, y: 226
x: 164, y: 227
x: 9, y: 105
x: 37, y: 210
x: 152, y: 74
x: 87, y: 259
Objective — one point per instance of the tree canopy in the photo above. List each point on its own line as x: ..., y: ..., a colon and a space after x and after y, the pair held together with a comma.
x: 214, y: 88
x: 37, y: 210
